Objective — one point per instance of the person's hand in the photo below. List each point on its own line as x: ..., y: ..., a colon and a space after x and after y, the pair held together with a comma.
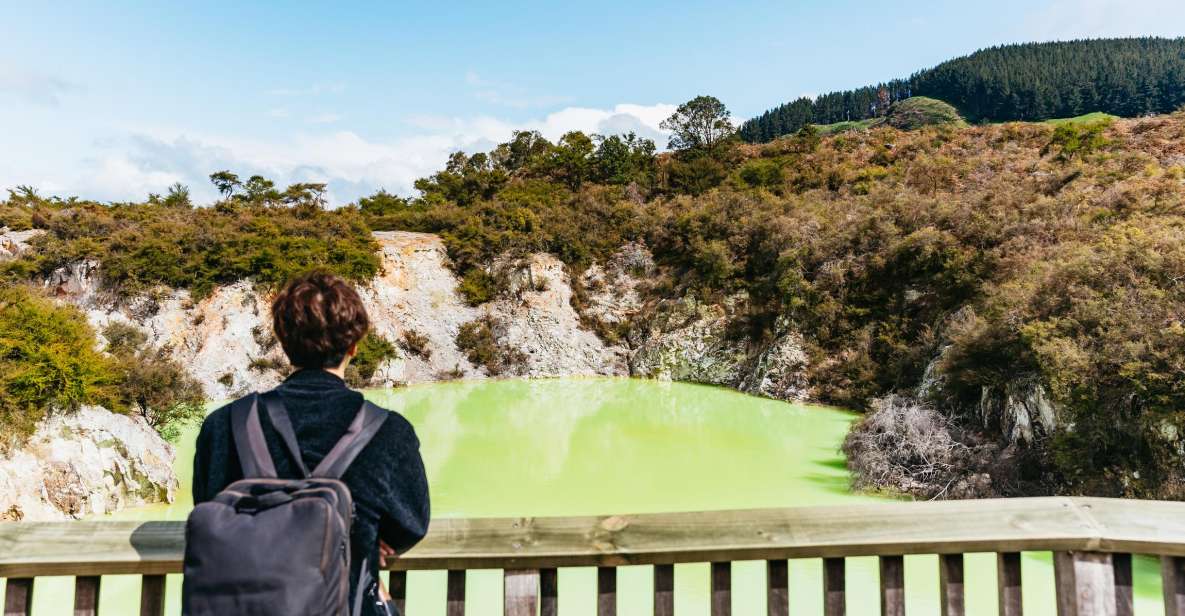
x: 386, y: 552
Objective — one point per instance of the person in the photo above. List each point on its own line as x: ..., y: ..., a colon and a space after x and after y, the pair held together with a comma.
x: 319, y: 320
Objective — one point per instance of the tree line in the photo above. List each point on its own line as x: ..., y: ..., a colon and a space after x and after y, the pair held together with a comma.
x: 1127, y: 77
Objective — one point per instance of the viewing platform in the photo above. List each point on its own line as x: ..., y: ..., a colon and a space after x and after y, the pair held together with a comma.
x: 1092, y: 539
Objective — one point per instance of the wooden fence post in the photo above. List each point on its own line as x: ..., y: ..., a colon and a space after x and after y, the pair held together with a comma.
x: 1085, y: 583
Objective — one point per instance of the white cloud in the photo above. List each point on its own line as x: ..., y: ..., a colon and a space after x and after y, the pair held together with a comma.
x: 133, y: 165
x: 508, y: 95
x: 34, y: 88
x: 323, y: 118
x: 1070, y: 19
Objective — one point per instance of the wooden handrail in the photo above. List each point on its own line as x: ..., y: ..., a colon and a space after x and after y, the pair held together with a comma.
x: 891, y: 529
x: 1092, y: 539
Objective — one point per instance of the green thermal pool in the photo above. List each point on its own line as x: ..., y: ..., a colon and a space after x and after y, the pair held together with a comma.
x: 603, y: 446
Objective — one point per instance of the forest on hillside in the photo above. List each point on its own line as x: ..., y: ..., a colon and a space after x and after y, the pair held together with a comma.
x: 1127, y: 77
x: 996, y: 255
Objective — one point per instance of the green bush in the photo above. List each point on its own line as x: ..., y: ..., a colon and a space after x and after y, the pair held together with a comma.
x: 139, y: 245
x: 1073, y: 139
x: 481, y: 347
x: 918, y: 111
x: 48, y: 362
x: 373, y: 351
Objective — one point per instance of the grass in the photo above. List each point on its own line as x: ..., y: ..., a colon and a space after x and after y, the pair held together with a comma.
x: 843, y: 127
x: 1082, y: 119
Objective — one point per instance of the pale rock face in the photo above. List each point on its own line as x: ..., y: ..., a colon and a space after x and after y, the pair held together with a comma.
x: 686, y: 340
x: 225, y: 340
x: 536, y: 317
x: 86, y: 463
x: 612, y: 289
x: 14, y: 243
x: 779, y: 371
x: 416, y: 291
x: 1023, y: 410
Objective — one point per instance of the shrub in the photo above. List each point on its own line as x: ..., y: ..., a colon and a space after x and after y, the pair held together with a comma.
x: 373, y: 351
x: 918, y: 111
x: 480, y: 344
x: 153, y: 385
x: 1074, y: 139
x: 48, y: 362
x: 415, y: 343
x: 140, y: 245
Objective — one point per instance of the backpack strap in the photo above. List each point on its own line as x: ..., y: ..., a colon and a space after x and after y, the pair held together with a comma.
x: 365, y: 425
x: 249, y: 441
x: 280, y: 421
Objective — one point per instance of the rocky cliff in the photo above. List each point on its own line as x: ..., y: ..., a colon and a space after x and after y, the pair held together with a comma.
x: 86, y: 463
x: 225, y: 338
x: 96, y: 461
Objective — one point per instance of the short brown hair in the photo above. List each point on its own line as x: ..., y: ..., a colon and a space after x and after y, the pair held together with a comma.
x: 317, y: 317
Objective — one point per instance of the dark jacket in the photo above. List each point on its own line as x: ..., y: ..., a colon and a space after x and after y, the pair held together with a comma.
x: 387, y: 480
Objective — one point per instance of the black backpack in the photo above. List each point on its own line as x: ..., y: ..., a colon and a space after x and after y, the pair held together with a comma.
x: 267, y: 546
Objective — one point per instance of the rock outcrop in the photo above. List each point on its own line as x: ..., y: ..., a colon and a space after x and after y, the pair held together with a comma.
x: 689, y: 340
x: 86, y: 463
x: 224, y: 339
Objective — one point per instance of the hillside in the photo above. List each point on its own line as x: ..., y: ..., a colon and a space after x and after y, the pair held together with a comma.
x: 1032, y: 81
x: 1016, y: 285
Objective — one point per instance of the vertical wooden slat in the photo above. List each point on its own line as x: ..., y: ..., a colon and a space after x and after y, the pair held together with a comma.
x: 722, y: 589
x: 1172, y: 576
x: 398, y: 590
x: 549, y: 592
x: 455, y: 593
x: 606, y: 591
x: 18, y: 597
x: 1085, y: 583
x: 86, y: 595
x: 950, y: 585
x: 1124, y: 603
x: 777, y: 588
x: 834, y: 602
x: 152, y: 595
x: 664, y: 590
x: 521, y: 592
x: 1008, y: 583
x: 892, y: 585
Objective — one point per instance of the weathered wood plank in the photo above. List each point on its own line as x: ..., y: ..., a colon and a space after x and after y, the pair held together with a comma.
x: 834, y: 587
x: 152, y: 595
x: 664, y: 590
x: 607, y: 591
x: 777, y: 588
x: 1085, y: 583
x: 1172, y: 577
x: 721, y: 589
x: 951, y: 591
x: 454, y: 602
x: 892, y: 570
x: 398, y: 590
x: 86, y: 595
x: 946, y: 527
x: 18, y: 597
x: 549, y: 592
x: 1008, y: 583
x: 521, y: 595
x: 1124, y: 596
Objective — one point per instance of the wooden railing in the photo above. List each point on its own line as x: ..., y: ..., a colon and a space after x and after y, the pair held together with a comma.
x: 1092, y: 541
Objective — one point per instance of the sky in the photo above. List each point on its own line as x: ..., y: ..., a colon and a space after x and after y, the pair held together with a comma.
x: 116, y: 100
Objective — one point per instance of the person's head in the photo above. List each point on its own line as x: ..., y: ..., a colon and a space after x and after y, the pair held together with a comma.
x: 319, y: 319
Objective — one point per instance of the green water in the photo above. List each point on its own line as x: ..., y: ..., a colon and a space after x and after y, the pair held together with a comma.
x: 599, y: 446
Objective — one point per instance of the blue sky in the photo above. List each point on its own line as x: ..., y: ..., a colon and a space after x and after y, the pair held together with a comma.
x: 116, y: 100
